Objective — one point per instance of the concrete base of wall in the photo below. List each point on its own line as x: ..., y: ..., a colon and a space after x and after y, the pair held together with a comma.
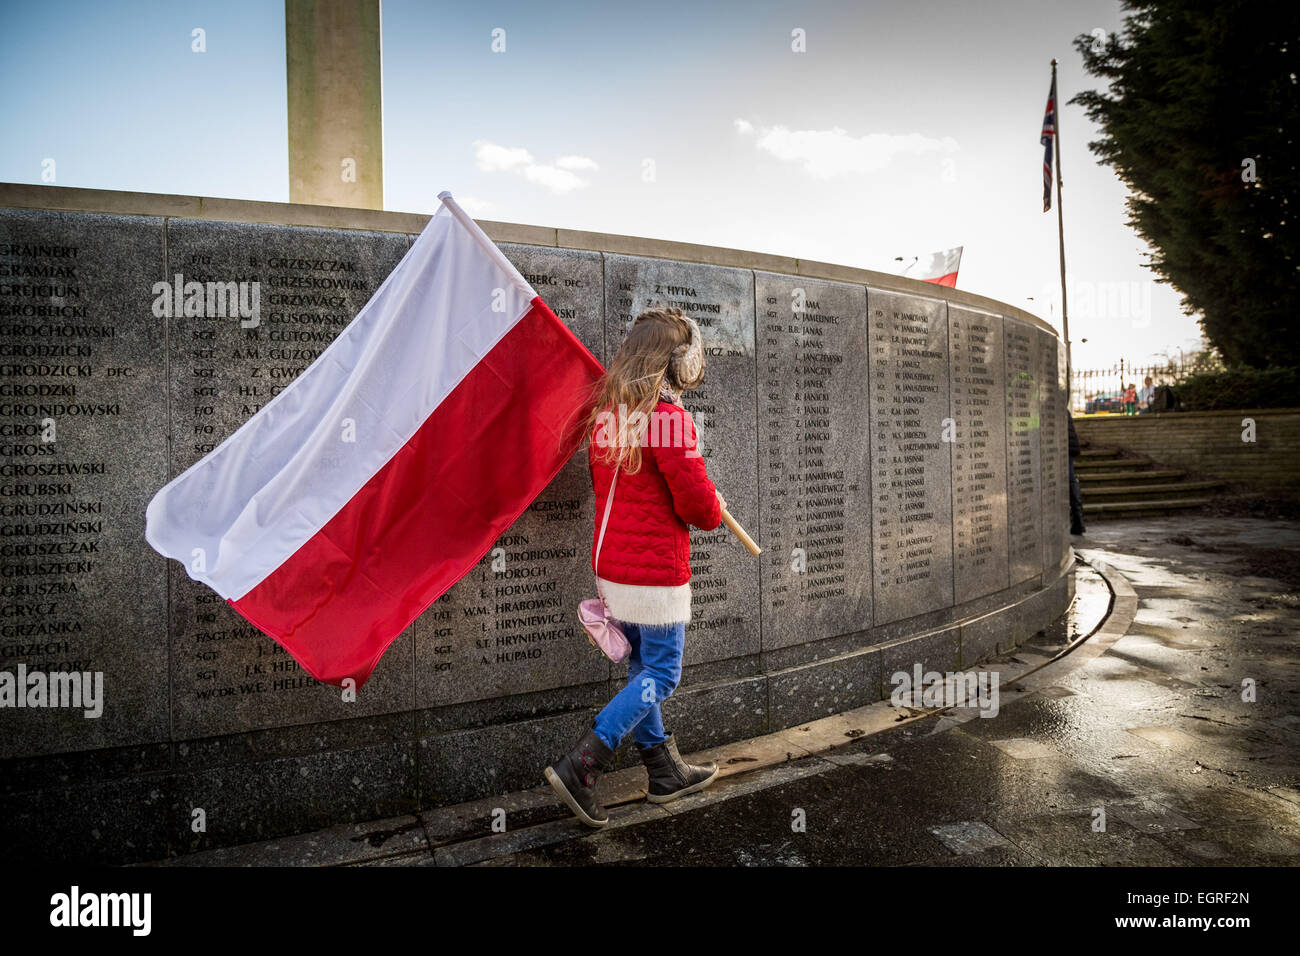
x: 132, y: 804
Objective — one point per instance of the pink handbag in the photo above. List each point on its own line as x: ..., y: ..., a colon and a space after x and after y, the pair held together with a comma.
x: 602, y: 630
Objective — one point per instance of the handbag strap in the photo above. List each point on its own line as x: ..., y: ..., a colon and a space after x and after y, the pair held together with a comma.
x: 609, y: 503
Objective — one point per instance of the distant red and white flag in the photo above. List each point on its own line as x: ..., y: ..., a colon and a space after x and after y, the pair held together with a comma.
x: 381, y: 475
x: 938, y: 267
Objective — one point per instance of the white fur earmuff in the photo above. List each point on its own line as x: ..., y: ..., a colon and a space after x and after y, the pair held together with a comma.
x: 686, y: 367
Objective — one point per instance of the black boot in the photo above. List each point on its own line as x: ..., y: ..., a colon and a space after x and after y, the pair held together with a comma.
x: 574, y: 778
x: 670, y: 776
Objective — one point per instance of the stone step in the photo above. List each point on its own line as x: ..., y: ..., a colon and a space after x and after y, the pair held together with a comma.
x: 1144, y: 491
x: 1092, y: 479
x: 1142, y: 509
x: 1100, y: 451
x: 1104, y: 464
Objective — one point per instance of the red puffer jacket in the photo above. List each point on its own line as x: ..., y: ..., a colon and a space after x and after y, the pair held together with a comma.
x: 647, y: 540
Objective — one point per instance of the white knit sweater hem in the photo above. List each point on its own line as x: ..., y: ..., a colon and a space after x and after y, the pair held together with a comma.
x: 647, y: 604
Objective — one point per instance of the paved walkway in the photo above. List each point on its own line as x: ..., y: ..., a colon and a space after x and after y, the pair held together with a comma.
x: 1139, y: 748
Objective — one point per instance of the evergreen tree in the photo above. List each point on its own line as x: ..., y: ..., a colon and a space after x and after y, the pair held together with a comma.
x: 1199, y: 121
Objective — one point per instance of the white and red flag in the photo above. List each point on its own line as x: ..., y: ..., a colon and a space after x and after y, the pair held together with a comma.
x: 938, y: 267
x: 381, y: 475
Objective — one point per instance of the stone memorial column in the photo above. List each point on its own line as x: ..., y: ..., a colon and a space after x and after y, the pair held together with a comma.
x: 334, y: 81
x: 227, y: 676
x: 510, y: 626
x: 911, y: 462
x: 814, y: 459
x: 1024, y: 479
x: 724, y: 581
x: 84, y: 435
x: 979, y: 453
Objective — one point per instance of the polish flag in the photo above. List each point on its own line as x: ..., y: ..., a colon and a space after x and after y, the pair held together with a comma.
x: 382, y: 474
x: 938, y: 267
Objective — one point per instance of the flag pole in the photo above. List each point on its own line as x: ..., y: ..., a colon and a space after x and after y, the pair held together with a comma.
x: 750, y: 544
x: 488, y: 245
x: 1060, y: 230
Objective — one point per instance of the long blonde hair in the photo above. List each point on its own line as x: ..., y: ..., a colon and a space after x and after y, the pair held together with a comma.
x: 632, y: 382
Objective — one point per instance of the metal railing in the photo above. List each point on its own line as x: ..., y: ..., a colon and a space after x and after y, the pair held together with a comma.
x: 1102, y: 389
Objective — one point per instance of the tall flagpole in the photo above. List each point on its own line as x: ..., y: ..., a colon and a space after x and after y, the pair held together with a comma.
x: 1060, y: 228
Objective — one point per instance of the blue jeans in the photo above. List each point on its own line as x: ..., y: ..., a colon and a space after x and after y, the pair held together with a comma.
x: 653, y: 671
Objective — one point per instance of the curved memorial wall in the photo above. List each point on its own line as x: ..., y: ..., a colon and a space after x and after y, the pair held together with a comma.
x: 898, y: 448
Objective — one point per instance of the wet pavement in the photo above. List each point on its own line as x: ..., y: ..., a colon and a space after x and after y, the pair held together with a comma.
x: 1178, y: 746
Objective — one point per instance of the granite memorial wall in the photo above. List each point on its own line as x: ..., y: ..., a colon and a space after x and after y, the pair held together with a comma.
x: 898, y: 449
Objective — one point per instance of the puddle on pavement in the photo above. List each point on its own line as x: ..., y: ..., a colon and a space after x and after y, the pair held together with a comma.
x: 1087, y: 610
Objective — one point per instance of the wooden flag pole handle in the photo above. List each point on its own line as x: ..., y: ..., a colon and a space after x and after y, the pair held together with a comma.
x: 750, y: 544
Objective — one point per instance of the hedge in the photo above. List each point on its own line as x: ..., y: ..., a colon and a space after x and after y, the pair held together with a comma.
x: 1240, y: 387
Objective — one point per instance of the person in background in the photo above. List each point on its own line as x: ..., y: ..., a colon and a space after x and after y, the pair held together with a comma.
x: 1130, y: 400
x: 1076, y: 493
x: 1146, y: 396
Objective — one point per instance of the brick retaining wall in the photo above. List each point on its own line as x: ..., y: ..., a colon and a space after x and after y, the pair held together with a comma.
x: 1210, y: 443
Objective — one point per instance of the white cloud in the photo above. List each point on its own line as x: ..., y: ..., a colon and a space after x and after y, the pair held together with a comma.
x: 833, y: 152
x: 492, y: 158
x: 474, y: 206
x: 555, y: 179
x: 576, y: 162
x: 558, y: 176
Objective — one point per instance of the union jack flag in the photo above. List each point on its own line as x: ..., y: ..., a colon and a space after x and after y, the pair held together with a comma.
x: 1048, y: 135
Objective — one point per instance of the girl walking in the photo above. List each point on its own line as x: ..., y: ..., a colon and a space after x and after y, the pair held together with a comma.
x: 644, y: 451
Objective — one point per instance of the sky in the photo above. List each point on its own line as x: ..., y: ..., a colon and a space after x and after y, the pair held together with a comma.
x: 899, y: 129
